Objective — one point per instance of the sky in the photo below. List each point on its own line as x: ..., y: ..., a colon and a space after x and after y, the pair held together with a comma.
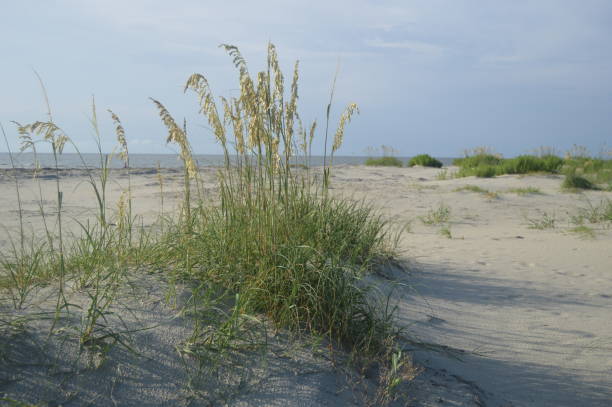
x: 429, y: 76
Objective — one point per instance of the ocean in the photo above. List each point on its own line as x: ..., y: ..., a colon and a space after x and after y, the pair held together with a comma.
x: 90, y: 160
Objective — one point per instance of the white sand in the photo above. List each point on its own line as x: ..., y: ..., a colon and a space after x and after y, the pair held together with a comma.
x: 535, y: 304
x: 528, y: 311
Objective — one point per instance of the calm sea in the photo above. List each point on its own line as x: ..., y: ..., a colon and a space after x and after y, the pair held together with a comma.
x: 71, y: 160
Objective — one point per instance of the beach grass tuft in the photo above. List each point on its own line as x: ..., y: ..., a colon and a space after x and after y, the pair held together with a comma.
x: 424, y: 160
x: 573, y: 182
x: 276, y: 247
x: 387, y: 158
x: 384, y: 162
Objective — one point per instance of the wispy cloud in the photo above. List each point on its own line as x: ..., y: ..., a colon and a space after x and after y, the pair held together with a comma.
x: 421, y: 59
x: 415, y: 46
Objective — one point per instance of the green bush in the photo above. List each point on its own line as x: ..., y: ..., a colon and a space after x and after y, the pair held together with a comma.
x: 424, y: 160
x: 384, y: 162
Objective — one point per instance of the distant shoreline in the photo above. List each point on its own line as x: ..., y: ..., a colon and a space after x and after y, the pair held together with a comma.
x: 146, y: 161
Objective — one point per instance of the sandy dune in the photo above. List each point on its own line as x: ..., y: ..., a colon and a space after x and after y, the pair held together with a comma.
x: 519, y: 316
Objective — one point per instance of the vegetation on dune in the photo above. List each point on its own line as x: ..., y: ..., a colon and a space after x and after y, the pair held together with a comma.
x: 276, y: 246
x: 573, y: 181
x: 581, y: 170
x: 424, y: 160
x: 384, y: 162
x: 489, y: 165
x: 387, y: 158
x: 525, y: 191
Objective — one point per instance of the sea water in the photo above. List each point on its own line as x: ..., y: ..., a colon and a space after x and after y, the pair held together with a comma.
x: 72, y: 160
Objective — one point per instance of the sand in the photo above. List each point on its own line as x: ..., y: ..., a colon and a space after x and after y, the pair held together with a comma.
x: 499, y: 314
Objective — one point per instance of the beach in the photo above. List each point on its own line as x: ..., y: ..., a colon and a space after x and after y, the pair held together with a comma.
x: 503, y: 298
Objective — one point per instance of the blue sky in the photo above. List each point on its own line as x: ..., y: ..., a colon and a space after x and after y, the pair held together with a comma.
x: 436, y: 76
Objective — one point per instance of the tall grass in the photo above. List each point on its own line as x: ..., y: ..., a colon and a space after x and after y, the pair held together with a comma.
x: 276, y: 242
x: 286, y: 248
x: 387, y: 158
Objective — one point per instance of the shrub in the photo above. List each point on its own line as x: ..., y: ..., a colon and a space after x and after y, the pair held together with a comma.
x: 424, y: 160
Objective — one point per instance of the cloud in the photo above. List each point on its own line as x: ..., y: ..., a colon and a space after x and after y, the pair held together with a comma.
x: 416, y: 46
x: 400, y: 59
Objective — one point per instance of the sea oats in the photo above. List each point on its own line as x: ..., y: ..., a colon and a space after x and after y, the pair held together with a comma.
x: 345, y: 118
x: 199, y: 85
x: 120, y: 132
x: 291, y: 110
x: 277, y: 96
x: 238, y: 125
x: 312, y: 131
x: 49, y: 132
x: 247, y: 89
x: 178, y: 136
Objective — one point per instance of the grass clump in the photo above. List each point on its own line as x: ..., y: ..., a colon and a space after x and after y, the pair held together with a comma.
x: 276, y: 246
x: 525, y: 164
x: 387, y: 158
x: 384, y: 162
x: 424, y: 160
x: 598, y: 170
x: 600, y: 213
x: 477, y: 157
x: 437, y: 216
x: 583, y: 231
x: 486, y: 165
x: 546, y: 221
x: 286, y: 248
x: 525, y: 191
x: 446, y: 232
x: 472, y: 188
x: 482, y: 162
x: 576, y: 182
x: 475, y: 188
x: 444, y: 174
x: 581, y: 170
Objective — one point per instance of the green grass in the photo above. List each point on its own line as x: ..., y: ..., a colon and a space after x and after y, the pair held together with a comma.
x: 475, y: 188
x: 546, y: 221
x: 472, y: 188
x: 384, y: 162
x: 576, y: 182
x: 276, y: 246
x: 424, y: 160
x: 437, y: 216
x: 600, y: 213
x: 487, y: 165
x: 597, y: 171
x: 480, y: 159
x: 446, y: 232
x: 444, y: 174
x: 525, y: 191
x: 584, y: 231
